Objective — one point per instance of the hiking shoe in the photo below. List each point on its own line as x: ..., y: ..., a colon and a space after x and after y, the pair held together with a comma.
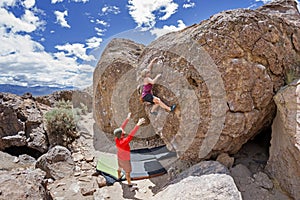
x: 173, y: 107
x: 132, y: 185
x: 154, y: 113
x: 132, y: 189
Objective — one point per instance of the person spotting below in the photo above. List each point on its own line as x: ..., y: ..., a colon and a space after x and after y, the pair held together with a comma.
x: 123, y: 148
x: 147, y: 94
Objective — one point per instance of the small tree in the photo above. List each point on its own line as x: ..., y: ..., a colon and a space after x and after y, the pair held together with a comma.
x: 61, y: 123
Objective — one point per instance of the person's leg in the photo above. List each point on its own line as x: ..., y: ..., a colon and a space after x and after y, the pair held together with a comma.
x: 119, y: 173
x: 158, y: 102
x: 154, y: 107
x: 127, y: 168
x: 128, y: 178
x: 120, y: 167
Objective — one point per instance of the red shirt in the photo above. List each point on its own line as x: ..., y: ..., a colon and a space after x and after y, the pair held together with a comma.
x: 123, y: 143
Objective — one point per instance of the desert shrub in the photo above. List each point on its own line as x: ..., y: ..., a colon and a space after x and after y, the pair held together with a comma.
x: 61, y: 123
x: 83, y: 108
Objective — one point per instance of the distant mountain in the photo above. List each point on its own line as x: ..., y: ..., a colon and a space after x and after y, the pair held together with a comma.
x: 35, y: 91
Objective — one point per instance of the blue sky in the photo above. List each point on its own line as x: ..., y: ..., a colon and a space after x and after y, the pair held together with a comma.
x: 57, y: 42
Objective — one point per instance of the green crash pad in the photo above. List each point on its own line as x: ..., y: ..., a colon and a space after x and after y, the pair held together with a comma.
x: 145, y: 163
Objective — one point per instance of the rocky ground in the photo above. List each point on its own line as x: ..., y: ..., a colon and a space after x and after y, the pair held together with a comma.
x: 247, y: 172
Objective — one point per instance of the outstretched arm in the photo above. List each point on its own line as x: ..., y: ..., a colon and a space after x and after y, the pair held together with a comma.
x: 134, y: 130
x: 126, y: 121
x: 151, y: 63
x: 153, y: 81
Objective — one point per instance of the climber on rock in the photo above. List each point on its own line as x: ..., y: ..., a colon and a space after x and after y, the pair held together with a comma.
x: 147, y: 94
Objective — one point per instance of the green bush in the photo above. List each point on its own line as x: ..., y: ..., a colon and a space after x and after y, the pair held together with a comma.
x: 61, y: 123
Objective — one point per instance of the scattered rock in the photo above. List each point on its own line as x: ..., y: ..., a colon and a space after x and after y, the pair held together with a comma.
x: 240, y: 170
x: 256, y: 188
x: 101, y: 181
x: 263, y: 180
x: 89, y: 157
x: 16, y: 160
x: 77, y: 157
x: 21, y: 123
x: 225, y: 159
x: 57, y: 163
x: 24, y: 185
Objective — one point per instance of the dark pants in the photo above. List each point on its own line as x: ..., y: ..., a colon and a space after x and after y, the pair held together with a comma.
x: 149, y: 98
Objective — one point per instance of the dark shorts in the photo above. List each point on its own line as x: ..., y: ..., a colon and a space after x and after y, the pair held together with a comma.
x: 125, y: 165
x: 148, y: 98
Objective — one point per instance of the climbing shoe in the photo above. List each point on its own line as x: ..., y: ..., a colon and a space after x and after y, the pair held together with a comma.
x: 173, y: 107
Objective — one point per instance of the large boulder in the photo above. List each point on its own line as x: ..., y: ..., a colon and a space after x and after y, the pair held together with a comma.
x: 206, y: 180
x: 206, y: 187
x: 119, y: 57
x: 284, y: 161
x: 21, y: 123
x: 57, y: 163
x: 222, y: 74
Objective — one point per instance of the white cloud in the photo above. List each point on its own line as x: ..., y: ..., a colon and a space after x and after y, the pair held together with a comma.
x: 78, y: 50
x: 29, y: 3
x: 7, y: 3
x: 264, y: 1
x: 77, y: 1
x: 28, y: 22
x: 166, y: 29
x: 99, y: 31
x: 102, y: 22
x: 142, y: 12
x: 56, y: 1
x: 24, y: 61
x: 189, y: 4
x: 93, y: 42
x: 60, y: 18
x: 110, y: 9
x: 29, y: 64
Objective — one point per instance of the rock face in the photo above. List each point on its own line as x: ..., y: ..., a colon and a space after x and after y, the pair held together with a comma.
x: 22, y: 185
x: 256, y: 186
x: 53, y: 98
x: 22, y: 118
x: 284, y: 161
x: 21, y: 123
x: 221, y: 73
x: 206, y: 180
x: 213, y: 186
x: 119, y: 57
x: 57, y: 163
